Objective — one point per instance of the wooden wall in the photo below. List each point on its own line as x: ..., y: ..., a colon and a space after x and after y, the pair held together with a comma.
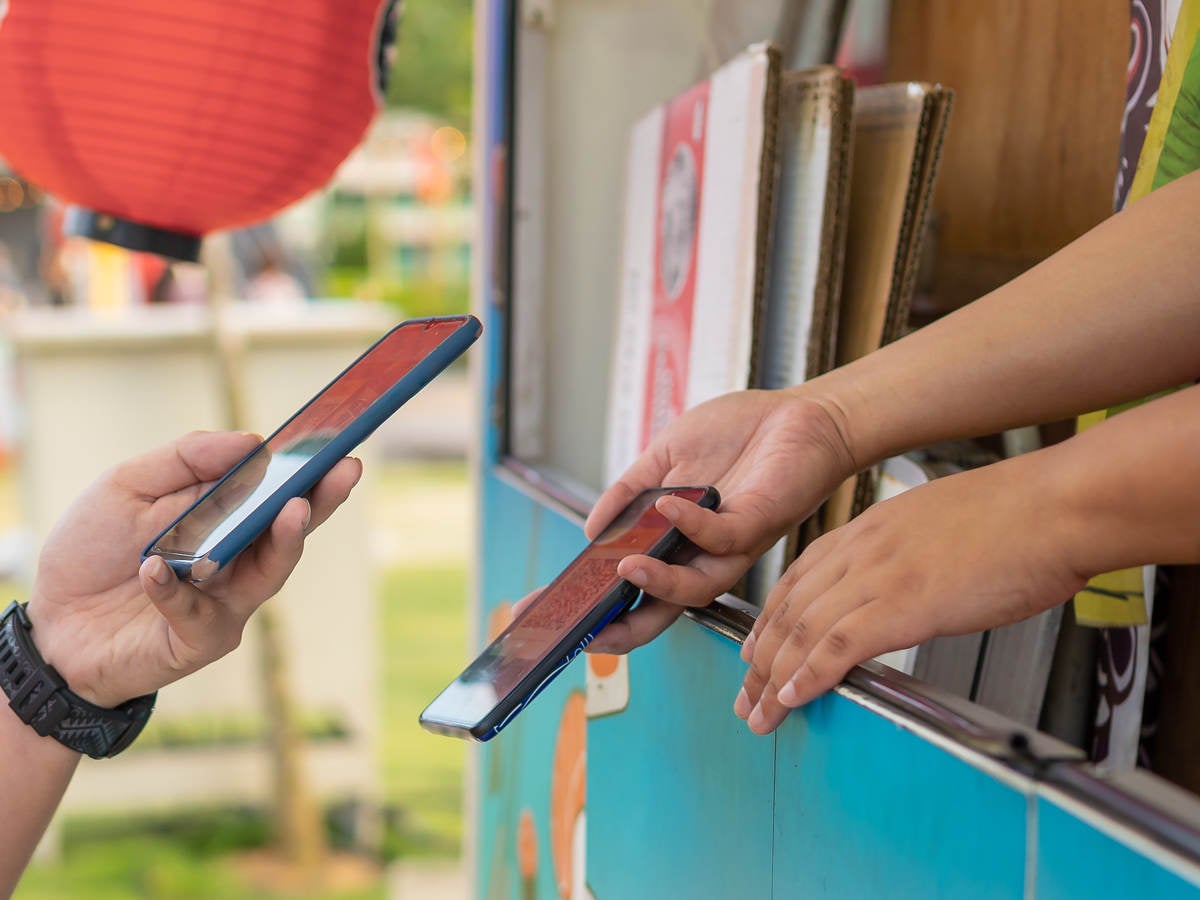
x: 1031, y: 152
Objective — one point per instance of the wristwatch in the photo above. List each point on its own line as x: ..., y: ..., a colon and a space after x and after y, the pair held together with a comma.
x: 40, y: 697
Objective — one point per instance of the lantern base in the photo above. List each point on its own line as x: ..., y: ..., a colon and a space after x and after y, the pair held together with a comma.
x: 131, y: 235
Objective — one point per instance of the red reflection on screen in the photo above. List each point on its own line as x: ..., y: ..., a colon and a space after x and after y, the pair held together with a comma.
x: 571, y: 596
x: 306, y: 435
x: 346, y: 399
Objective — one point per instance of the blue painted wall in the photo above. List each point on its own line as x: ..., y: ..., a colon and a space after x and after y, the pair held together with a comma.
x: 680, y: 792
x: 523, y: 547
x: 864, y: 808
x: 1077, y: 860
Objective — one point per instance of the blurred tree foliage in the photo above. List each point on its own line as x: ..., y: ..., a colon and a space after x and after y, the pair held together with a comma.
x: 432, y: 71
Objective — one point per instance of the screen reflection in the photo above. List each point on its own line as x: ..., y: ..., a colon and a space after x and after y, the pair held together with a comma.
x: 556, y: 612
x: 304, y: 436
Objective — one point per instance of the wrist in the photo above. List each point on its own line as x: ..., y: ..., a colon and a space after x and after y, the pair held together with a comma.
x: 62, y: 651
x: 23, y: 744
x: 1128, y: 486
x: 41, y: 698
x: 1056, y: 528
x: 1076, y: 512
x: 826, y: 415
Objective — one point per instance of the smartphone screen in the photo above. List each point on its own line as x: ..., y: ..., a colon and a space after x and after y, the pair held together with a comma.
x: 511, y: 662
x: 233, y: 500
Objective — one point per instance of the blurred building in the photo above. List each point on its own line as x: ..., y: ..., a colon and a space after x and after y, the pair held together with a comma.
x: 398, y: 212
x: 21, y: 227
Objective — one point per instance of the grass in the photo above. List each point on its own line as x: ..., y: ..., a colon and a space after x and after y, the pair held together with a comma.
x: 200, y: 853
x: 138, y: 866
x: 424, y: 628
x: 423, y: 622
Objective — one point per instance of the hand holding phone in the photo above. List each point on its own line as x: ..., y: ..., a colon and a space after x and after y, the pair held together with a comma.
x: 560, y: 622
x: 240, y: 506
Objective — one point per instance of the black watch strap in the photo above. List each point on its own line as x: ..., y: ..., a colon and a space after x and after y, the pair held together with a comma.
x: 41, y: 699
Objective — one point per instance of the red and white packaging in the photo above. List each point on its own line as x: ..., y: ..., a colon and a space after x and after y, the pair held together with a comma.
x: 697, y: 179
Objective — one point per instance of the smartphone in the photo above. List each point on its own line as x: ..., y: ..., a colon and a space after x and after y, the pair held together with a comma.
x: 564, y: 618
x: 243, y: 504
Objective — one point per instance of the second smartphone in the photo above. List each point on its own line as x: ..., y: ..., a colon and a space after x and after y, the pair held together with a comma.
x: 563, y: 619
x: 291, y: 461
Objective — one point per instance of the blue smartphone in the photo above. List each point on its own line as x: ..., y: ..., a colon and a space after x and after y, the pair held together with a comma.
x: 239, y: 507
x: 560, y: 622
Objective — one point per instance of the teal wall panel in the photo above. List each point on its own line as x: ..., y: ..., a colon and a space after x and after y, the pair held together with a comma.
x: 1075, y: 859
x: 680, y: 792
x: 503, y: 777
x: 864, y: 808
x: 524, y: 546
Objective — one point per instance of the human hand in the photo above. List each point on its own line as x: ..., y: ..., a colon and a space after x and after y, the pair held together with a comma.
x: 960, y: 554
x: 115, y: 630
x: 202, y: 520
x: 773, y: 455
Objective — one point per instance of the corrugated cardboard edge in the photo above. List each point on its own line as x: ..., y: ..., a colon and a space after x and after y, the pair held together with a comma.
x: 767, y: 179
x: 943, y: 102
x: 823, y: 342
x: 837, y: 209
x: 935, y: 116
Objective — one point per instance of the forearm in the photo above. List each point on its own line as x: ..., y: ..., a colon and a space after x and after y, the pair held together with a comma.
x: 1111, y: 317
x: 35, y: 773
x: 1129, y: 488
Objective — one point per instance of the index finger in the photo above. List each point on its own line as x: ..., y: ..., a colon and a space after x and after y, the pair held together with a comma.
x: 721, y: 532
x: 333, y: 489
x: 695, y: 583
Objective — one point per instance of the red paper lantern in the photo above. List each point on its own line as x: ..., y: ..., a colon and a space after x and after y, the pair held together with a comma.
x: 162, y: 120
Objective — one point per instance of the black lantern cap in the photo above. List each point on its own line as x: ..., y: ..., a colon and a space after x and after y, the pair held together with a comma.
x: 82, y: 222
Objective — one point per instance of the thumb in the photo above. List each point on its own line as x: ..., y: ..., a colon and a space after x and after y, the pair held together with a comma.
x: 191, y: 615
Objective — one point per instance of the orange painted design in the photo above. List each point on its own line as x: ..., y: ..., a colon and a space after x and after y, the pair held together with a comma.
x: 603, y: 664
x: 527, y: 848
x: 568, y: 787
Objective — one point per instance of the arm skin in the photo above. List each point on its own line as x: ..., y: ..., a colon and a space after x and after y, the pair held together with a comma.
x: 1112, y: 317
x: 980, y: 549
x: 115, y: 630
x: 1085, y: 329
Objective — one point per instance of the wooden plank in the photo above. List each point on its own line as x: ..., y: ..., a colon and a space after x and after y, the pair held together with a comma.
x: 1031, y: 154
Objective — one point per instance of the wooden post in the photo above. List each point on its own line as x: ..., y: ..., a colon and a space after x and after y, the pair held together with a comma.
x: 296, y: 817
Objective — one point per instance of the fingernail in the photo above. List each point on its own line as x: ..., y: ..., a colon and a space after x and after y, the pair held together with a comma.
x: 307, y: 514
x: 748, y: 647
x: 757, y: 720
x: 160, y: 572
x: 787, y: 695
x: 638, y: 577
x: 251, y: 434
x: 741, y: 706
